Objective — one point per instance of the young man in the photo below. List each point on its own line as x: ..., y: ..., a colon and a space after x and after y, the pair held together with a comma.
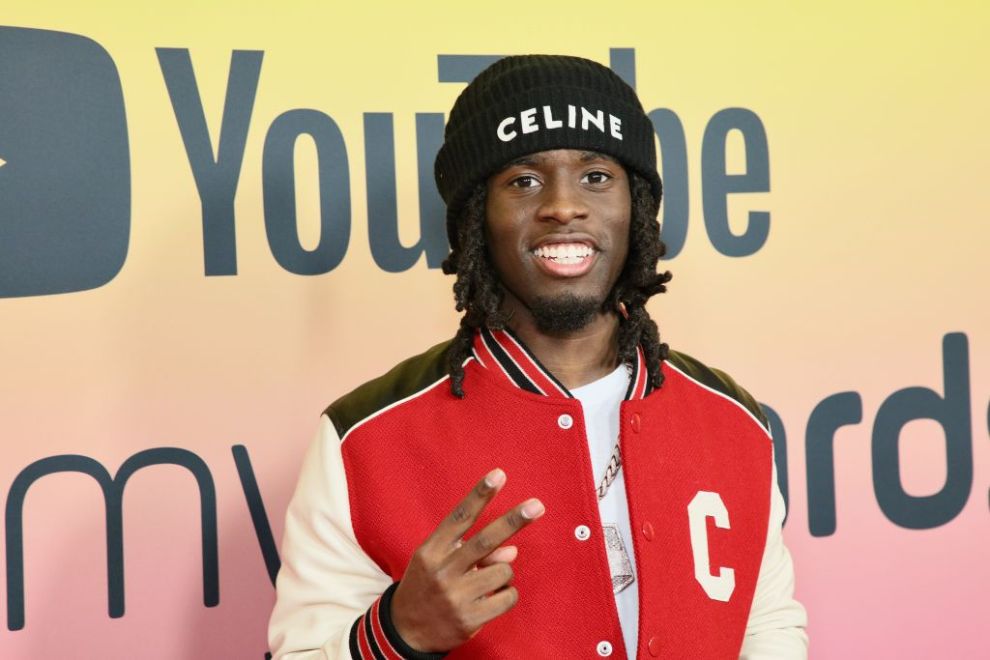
x: 644, y: 517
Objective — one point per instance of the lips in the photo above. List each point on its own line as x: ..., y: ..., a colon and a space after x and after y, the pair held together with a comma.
x: 565, y: 259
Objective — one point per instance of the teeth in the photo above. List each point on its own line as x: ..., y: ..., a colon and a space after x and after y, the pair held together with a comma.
x: 564, y: 253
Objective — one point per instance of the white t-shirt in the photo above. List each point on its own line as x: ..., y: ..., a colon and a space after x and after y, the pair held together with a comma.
x: 600, y: 402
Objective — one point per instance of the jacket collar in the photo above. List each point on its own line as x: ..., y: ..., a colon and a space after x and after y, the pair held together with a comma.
x: 503, y: 353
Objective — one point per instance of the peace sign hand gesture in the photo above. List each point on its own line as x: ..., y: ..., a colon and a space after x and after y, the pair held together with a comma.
x: 451, y: 588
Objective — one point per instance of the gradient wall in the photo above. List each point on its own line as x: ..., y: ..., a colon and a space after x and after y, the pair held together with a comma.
x: 190, y: 271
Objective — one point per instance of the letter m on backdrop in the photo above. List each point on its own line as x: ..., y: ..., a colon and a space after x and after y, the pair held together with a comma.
x: 113, y: 490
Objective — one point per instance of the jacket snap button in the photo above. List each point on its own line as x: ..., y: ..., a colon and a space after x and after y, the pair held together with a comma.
x: 565, y: 421
x: 653, y: 646
x: 604, y: 649
x: 635, y: 422
x: 648, y: 531
x: 582, y: 533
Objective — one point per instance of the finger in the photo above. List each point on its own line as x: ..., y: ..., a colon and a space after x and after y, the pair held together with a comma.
x: 484, y: 581
x: 494, y: 534
x: 495, y: 605
x: 506, y: 554
x: 465, y: 514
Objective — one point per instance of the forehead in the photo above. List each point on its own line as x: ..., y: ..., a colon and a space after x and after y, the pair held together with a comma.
x: 556, y: 156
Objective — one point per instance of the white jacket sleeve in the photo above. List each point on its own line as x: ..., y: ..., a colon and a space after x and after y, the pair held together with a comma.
x: 776, y: 626
x: 327, y: 581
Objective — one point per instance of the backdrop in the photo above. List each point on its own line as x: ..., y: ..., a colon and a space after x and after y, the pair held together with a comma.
x: 216, y: 218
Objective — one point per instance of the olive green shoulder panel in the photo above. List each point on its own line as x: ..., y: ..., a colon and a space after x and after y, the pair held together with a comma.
x: 402, y: 381
x: 717, y: 380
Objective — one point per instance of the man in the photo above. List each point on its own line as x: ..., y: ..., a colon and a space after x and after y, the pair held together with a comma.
x: 644, y: 518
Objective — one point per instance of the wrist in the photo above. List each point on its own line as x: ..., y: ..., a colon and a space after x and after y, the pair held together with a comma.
x: 406, y: 643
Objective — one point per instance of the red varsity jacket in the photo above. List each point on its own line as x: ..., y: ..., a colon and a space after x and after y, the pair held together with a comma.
x: 698, y: 467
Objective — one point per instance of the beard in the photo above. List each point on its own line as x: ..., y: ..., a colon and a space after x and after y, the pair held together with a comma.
x: 566, y: 313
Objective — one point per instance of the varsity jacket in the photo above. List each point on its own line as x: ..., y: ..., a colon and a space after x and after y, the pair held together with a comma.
x: 396, y: 455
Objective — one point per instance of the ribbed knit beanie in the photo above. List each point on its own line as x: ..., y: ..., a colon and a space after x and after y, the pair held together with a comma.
x: 528, y: 103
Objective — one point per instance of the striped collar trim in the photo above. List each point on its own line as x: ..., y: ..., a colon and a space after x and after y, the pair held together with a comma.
x: 502, y: 352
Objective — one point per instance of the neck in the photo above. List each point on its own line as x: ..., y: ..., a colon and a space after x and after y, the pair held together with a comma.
x: 574, y: 358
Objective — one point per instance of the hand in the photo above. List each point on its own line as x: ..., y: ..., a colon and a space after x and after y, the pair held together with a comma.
x: 451, y: 588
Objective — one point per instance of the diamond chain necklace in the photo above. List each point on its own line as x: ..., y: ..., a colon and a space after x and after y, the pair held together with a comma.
x: 611, y: 472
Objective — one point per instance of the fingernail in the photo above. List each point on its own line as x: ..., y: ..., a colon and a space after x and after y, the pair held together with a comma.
x: 495, y: 478
x: 532, y: 509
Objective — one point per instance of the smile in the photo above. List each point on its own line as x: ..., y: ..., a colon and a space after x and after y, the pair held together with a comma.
x: 565, y: 259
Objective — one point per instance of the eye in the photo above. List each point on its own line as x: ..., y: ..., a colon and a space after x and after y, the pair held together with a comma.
x: 596, y: 177
x: 524, y: 181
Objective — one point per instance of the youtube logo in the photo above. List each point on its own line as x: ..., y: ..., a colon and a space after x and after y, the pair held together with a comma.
x: 65, y: 191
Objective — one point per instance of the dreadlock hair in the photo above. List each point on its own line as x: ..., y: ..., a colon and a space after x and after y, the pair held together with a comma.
x: 478, y: 292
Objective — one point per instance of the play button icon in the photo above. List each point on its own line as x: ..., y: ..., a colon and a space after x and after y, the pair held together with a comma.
x: 65, y: 192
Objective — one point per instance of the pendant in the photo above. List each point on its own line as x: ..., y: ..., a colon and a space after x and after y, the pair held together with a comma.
x: 618, y: 559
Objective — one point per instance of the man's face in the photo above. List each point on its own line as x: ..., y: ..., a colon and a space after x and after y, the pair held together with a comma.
x: 557, y: 228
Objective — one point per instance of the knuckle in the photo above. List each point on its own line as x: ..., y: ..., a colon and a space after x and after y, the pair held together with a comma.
x: 459, y: 514
x: 447, y: 577
x: 421, y: 557
x: 483, y: 543
x: 515, y: 518
x: 463, y: 625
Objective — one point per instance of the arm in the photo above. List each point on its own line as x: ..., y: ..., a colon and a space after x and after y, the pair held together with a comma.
x: 776, y: 623
x: 327, y: 585
x: 334, y: 602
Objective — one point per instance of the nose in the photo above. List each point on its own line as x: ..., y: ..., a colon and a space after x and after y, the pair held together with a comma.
x: 563, y: 202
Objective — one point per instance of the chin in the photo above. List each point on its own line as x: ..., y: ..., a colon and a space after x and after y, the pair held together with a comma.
x: 567, y: 312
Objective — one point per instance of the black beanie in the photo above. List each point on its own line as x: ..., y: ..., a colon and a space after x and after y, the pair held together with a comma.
x: 528, y: 103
